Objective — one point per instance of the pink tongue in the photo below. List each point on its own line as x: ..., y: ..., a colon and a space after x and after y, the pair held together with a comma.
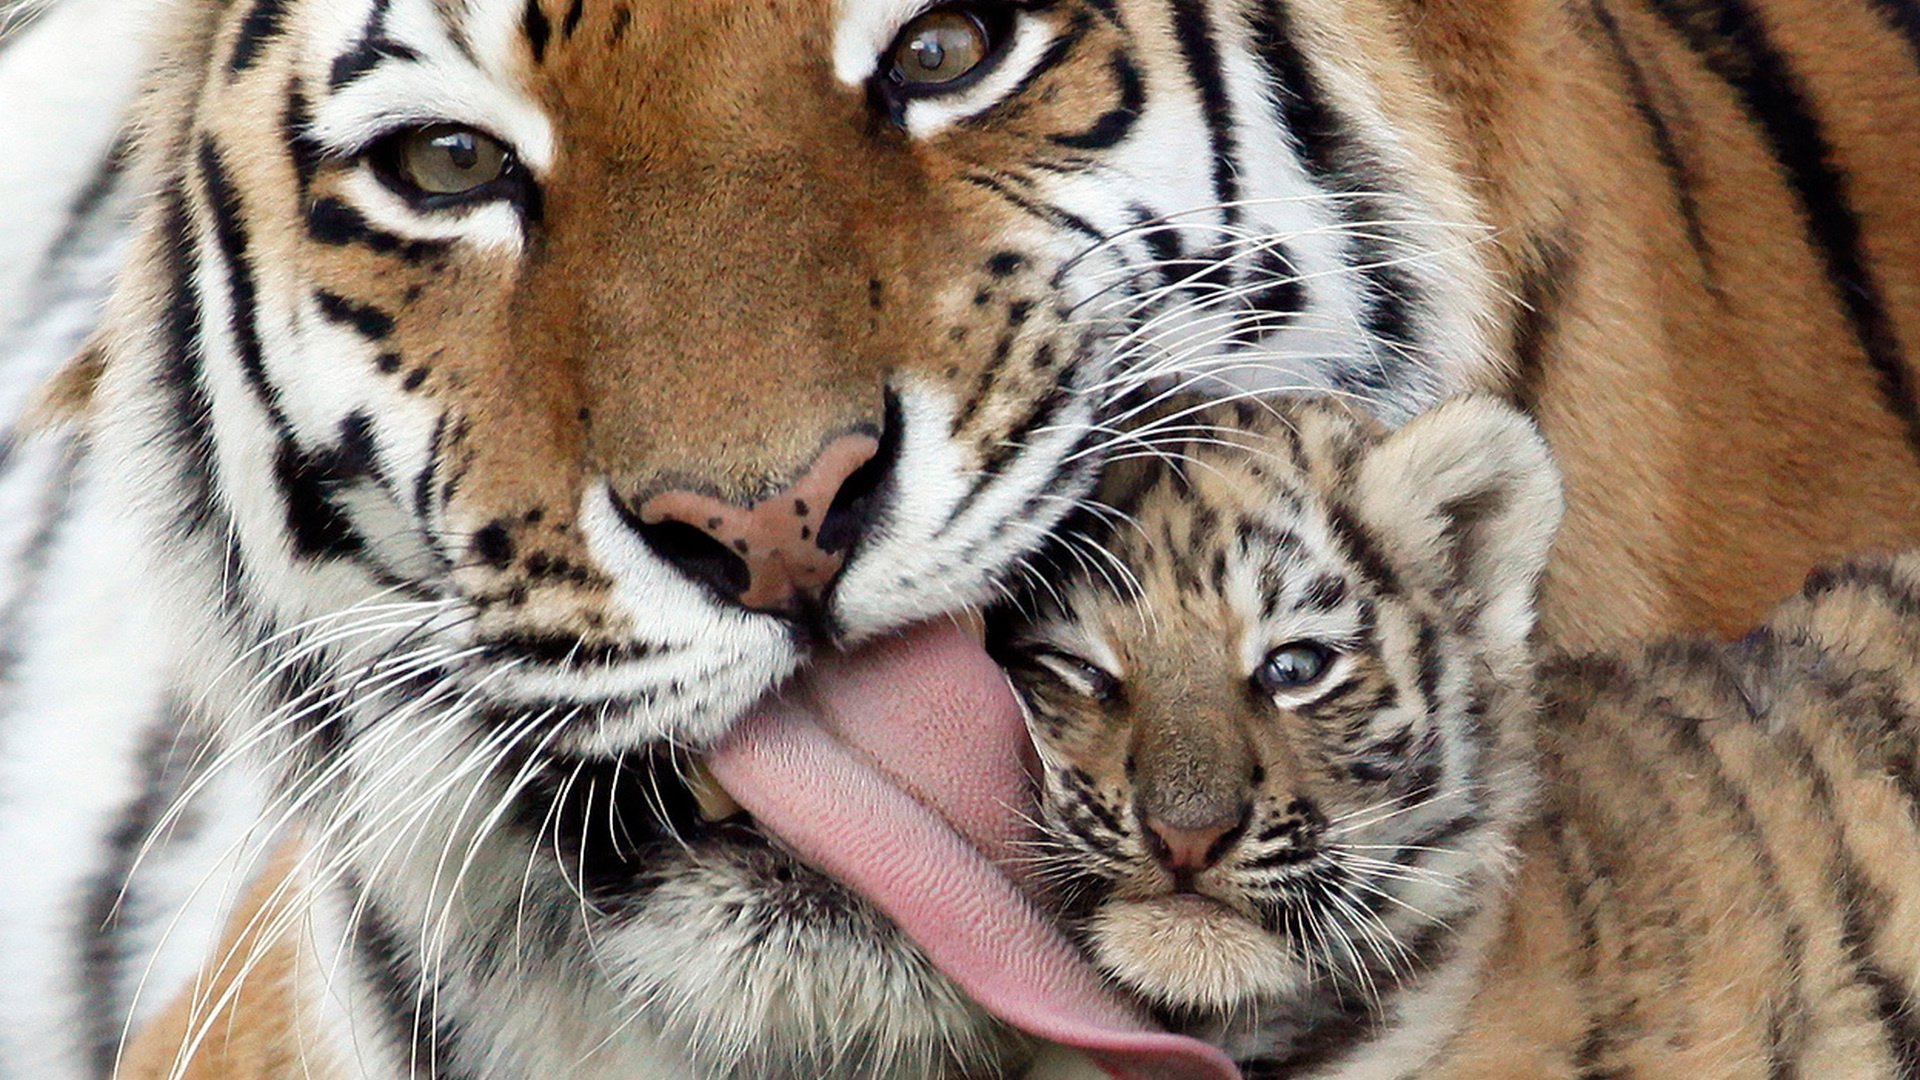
x: 905, y: 767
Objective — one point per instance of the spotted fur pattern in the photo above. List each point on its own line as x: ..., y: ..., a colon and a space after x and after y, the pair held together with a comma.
x: 1697, y: 860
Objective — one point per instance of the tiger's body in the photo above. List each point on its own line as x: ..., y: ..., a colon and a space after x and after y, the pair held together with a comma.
x: 1320, y: 805
x: 438, y: 516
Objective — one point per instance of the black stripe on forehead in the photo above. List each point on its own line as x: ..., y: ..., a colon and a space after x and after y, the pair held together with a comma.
x: 371, y: 49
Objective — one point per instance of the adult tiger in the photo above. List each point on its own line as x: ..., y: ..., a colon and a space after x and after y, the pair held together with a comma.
x: 511, y: 392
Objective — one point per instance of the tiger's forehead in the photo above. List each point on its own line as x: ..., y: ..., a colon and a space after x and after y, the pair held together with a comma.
x: 510, y: 40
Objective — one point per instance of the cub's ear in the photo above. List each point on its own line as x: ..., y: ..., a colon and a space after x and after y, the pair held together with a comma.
x: 1466, y: 499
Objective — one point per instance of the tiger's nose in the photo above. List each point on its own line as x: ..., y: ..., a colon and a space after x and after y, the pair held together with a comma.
x: 1189, y: 848
x: 771, y: 554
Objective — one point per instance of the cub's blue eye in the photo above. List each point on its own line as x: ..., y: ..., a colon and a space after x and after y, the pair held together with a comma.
x: 1293, y: 667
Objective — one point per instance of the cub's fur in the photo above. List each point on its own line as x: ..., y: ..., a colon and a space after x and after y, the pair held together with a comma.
x: 1299, y: 797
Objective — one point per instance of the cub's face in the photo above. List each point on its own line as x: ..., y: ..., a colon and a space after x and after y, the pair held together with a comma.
x: 528, y: 387
x: 1281, y: 714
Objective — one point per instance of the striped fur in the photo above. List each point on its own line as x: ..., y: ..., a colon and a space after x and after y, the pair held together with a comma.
x: 1696, y: 861
x: 351, y: 502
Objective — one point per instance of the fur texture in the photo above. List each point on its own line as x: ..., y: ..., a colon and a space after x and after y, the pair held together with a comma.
x: 1696, y: 861
x: 355, y: 508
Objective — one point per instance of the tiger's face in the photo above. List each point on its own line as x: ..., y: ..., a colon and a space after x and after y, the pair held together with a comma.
x: 1283, y: 720
x: 527, y: 388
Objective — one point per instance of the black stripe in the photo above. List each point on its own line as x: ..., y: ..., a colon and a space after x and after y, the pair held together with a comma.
x: 261, y: 25
x: 366, y: 56
x: 1339, y: 162
x: 1679, y: 174
x: 29, y: 566
x: 1544, y: 288
x: 164, y: 755
x: 1576, y: 862
x: 425, y: 1034
x: 1202, y: 55
x: 370, y: 51
x: 1043, y: 411
x: 334, y: 222
x: 91, y: 200
x: 1783, y: 1046
x: 1058, y: 50
x: 1904, y: 17
x: 1116, y: 123
x: 179, y: 375
x: 224, y: 201
x: 1052, y: 215
x: 305, y: 153
x: 1358, y: 545
x: 1731, y: 41
x: 372, y: 323
x: 423, y: 505
x: 1429, y: 665
x: 1861, y: 907
x: 534, y: 24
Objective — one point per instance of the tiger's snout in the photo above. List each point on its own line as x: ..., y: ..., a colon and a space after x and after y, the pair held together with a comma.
x: 774, y: 554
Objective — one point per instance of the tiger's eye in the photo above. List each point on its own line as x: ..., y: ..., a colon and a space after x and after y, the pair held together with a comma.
x: 939, y: 47
x: 446, y: 159
x: 1291, y: 667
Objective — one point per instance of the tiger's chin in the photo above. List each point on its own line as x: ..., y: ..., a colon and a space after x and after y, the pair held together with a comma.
x: 1191, y: 954
x: 762, y: 967
x: 712, y: 934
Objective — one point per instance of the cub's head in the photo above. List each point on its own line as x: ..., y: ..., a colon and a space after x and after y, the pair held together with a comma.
x: 523, y: 389
x: 1281, y: 699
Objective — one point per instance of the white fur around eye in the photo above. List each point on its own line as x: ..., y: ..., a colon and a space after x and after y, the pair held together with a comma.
x: 865, y: 30
x: 1084, y: 676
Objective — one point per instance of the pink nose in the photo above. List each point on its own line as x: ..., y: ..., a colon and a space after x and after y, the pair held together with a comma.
x: 778, y: 539
x: 1190, y: 850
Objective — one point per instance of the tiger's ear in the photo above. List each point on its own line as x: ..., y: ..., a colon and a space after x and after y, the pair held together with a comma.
x: 67, y: 397
x: 1466, y: 499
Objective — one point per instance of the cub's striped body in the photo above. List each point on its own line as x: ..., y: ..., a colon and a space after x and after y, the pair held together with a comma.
x: 1301, y: 801
x: 367, y: 499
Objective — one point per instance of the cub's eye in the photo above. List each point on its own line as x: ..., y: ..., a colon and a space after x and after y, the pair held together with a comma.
x: 1083, y: 676
x: 442, y: 163
x: 1293, y: 666
x: 942, y: 47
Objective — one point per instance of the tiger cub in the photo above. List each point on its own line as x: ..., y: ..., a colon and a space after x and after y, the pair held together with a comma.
x: 1308, y: 793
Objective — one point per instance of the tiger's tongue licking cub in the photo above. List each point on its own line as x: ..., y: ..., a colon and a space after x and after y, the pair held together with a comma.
x: 901, y: 772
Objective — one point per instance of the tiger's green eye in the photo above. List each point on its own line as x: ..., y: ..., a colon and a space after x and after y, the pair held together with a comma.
x: 1293, y: 667
x: 446, y: 159
x: 939, y: 47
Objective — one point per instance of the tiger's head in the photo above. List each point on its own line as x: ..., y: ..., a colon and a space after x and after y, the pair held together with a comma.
x: 1283, y: 702
x: 520, y: 390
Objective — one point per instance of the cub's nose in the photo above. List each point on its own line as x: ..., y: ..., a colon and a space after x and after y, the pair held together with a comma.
x: 1189, y: 848
x: 771, y: 554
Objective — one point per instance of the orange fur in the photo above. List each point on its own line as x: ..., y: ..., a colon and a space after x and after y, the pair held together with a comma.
x: 251, y: 1031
